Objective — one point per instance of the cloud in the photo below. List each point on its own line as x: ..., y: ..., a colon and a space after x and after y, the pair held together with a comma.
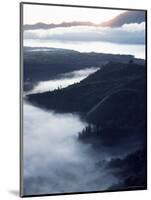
x: 63, y: 80
x: 126, y: 34
x: 54, y: 160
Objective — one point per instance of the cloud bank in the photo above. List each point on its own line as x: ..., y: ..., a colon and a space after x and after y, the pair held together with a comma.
x: 54, y: 160
x: 63, y: 80
x: 126, y: 34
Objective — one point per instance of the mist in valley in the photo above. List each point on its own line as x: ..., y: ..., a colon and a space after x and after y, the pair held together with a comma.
x: 54, y: 160
x: 63, y: 80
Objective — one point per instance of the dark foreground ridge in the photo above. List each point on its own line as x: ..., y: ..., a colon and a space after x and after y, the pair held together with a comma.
x: 116, y: 86
x: 112, y: 100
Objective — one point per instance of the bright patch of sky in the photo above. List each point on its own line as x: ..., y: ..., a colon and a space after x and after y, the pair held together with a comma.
x: 58, y: 14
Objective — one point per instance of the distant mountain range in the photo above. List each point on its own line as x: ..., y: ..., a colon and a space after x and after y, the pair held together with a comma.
x: 124, y: 18
x: 52, y: 25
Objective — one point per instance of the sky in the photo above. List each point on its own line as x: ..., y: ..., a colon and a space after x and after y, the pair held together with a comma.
x: 56, y: 14
x: 83, y: 38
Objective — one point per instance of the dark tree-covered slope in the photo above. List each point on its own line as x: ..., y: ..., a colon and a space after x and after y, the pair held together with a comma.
x: 113, y: 102
x: 112, y: 83
x: 46, y: 63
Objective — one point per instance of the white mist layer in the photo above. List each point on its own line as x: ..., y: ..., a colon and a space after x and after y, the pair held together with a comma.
x: 138, y: 50
x: 65, y: 80
x: 54, y: 160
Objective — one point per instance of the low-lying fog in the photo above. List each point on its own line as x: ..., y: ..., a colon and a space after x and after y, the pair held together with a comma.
x: 63, y: 80
x: 138, y: 50
x: 54, y: 160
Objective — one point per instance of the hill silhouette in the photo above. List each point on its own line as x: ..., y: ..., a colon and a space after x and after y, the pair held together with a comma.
x: 127, y: 17
x: 111, y: 100
x: 42, y: 64
x: 115, y: 91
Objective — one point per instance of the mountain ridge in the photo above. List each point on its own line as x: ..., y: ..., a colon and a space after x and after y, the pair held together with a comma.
x: 98, y: 87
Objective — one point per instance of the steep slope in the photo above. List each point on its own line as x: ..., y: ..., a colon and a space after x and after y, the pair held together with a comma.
x: 123, y: 108
x: 88, y: 94
x: 112, y: 101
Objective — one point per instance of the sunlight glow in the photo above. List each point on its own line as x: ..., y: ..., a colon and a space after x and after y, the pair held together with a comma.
x: 55, y: 14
